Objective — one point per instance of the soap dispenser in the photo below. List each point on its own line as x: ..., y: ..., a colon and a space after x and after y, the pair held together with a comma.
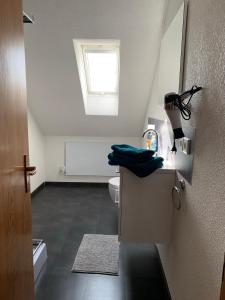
x: 151, y: 139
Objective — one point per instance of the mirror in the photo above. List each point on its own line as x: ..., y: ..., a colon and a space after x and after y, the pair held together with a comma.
x: 169, y: 75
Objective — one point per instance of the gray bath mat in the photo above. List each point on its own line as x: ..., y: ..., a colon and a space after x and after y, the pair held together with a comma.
x: 98, y: 254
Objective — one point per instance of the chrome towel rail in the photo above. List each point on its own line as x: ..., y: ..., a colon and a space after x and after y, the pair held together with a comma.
x: 178, y: 189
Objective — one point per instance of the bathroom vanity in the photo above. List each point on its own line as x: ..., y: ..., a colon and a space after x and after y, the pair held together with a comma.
x: 146, y: 208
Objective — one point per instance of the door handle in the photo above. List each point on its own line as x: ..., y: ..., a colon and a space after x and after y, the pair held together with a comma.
x: 28, y: 171
x: 31, y: 170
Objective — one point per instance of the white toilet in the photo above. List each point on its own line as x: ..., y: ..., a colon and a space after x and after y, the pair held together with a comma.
x: 114, y: 189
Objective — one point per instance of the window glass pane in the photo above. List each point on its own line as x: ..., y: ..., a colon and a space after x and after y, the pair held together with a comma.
x: 102, y: 71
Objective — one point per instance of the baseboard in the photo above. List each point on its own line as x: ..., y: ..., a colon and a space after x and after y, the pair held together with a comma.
x: 76, y: 184
x: 164, y: 275
x: 38, y: 189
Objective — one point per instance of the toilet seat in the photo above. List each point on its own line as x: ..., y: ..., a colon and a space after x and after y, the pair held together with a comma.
x: 114, y: 189
x: 115, y: 182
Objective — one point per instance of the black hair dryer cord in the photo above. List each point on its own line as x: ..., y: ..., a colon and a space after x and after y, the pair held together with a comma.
x: 184, y: 108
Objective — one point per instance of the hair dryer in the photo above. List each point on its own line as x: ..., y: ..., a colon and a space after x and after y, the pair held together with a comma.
x: 174, y: 106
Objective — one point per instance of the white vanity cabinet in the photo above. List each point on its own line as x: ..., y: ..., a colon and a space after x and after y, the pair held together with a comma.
x: 146, y: 209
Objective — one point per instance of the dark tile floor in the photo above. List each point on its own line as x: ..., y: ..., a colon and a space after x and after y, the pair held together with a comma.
x: 61, y: 215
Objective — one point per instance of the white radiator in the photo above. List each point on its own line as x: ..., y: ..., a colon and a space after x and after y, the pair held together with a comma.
x: 88, y: 158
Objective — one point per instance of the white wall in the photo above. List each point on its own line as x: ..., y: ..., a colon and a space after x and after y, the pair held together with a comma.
x: 36, y: 151
x: 194, y: 258
x: 54, y: 156
x: 47, y: 154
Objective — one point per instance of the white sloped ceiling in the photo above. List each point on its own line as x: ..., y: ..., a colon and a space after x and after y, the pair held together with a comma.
x: 54, y: 92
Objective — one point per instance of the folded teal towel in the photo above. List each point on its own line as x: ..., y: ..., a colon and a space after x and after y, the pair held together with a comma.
x: 129, y: 159
x: 141, y: 169
x: 130, y: 151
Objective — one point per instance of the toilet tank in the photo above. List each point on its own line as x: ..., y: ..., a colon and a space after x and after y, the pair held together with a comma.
x: 146, y: 208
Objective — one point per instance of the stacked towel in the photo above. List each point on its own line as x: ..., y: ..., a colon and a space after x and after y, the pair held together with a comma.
x: 139, y: 161
x: 138, y: 154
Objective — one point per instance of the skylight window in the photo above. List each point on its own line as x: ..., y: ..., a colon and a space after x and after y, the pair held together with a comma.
x: 102, y: 71
x: 98, y: 66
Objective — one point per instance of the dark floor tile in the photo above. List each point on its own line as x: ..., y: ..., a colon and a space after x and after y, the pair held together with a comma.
x: 61, y: 216
x: 60, y: 288
x: 144, y: 289
x: 140, y: 261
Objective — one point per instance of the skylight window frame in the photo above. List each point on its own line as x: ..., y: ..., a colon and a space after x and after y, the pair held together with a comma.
x: 100, y: 48
x: 97, y: 103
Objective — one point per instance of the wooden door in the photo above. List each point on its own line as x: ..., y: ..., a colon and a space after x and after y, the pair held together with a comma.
x: 16, y: 265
